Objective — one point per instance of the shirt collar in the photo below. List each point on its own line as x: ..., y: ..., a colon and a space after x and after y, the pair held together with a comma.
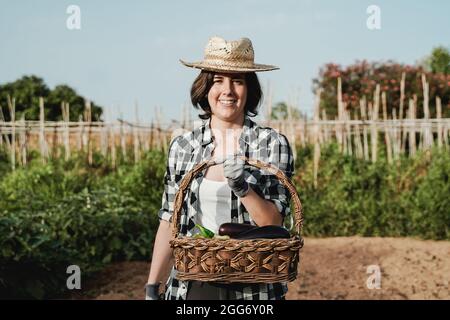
x: 248, y: 134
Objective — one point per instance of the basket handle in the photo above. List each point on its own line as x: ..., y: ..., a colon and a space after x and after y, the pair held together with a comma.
x: 187, y: 179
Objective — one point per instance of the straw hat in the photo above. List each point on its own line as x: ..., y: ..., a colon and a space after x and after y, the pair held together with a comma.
x: 230, y: 56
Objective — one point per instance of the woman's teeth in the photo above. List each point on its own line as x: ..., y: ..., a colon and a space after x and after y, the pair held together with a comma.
x: 227, y: 102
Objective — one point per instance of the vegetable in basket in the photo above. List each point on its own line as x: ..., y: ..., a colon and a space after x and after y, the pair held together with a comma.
x: 233, y: 229
x: 204, y: 231
x: 246, y: 231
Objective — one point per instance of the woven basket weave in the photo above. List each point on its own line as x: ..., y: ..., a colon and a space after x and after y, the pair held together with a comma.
x: 233, y: 260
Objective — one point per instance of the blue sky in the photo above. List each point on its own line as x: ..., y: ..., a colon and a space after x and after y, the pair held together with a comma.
x: 128, y: 51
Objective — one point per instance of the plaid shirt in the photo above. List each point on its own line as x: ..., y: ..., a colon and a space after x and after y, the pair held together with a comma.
x: 255, y: 142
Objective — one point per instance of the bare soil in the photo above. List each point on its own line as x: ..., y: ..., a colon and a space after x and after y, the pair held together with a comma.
x: 330, y: 268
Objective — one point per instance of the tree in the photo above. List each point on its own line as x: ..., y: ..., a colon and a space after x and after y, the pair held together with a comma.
x: 76, y: 102
x: 360, y: 79
x: 26, y: 92
x: 440, y: 60
x: 280, y: 112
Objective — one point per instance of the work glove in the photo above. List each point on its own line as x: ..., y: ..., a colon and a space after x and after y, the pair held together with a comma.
x: 152, y: 291
x: 233, y: 170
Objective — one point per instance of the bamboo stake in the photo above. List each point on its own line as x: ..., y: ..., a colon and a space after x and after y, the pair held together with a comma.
x: 104, y: 141
x: 347, y: 131
x: 304, y: 131
x: 80, y: 140
x: 137, y: 154
x: 12, y: 112
x: 397, y: 136
x: 374, y: 129
x: 105, y: 132
x: 66, y: 118
x: 403, y: 131
x: 88, y: 118
x: 339, y: 99
x: 315, y: 136
x: 55, y: 144
x: 157, y: 127
x: 412, y: 133
x: 326, y: 128
x: 362, y: 104
x: 446, y: 133
x: 439, y: 125
x: 357, y: 138
x: 339, y: 129
x: 42, y: 141
x: 402, y: 95
x: 122, y: 141
x: 164, y: 135
x: 23, y: 140
x: 112, y: 137
x: 152, y: 128
x: 386, y: 128
x: 428, y: 135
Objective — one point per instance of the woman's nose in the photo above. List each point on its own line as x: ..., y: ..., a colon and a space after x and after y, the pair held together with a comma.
x: 228, y: 87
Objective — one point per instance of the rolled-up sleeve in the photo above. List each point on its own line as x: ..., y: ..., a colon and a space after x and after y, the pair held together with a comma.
x: 280, y: 156
x: 170, y: 184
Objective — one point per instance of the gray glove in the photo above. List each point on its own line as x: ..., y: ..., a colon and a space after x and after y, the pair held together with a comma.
x: 233, y: 170
x: 152, y: 291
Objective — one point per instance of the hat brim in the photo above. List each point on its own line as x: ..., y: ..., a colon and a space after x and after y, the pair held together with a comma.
x: 205, y: 66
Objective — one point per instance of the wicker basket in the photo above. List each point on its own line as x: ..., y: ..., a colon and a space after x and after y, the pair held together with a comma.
x: 233, y: 260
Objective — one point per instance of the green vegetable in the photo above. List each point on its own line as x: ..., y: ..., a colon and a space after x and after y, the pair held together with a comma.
x: 205, y: 232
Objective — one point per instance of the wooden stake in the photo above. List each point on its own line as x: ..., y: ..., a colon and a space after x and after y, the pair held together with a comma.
x: 112, y: 137
x: 316, y: 135
x: 374, y: 129
x: 386, y: 129
x: 439, y: 124
x: 42, y: 141
x: 23, y: 140
x: 402, y: 95
x: 137, y: 154
x: 88, y: 117
x: 12, y: 112
x: 412, y: 131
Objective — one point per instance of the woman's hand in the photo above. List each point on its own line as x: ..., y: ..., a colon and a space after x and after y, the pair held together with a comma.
x: 152, y: 291
x: 233, y: 170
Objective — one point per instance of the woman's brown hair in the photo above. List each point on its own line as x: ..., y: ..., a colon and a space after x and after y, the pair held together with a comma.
x: 204, y: 82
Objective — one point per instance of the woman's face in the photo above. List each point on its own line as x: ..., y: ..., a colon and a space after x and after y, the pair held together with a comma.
x: 227, y: 96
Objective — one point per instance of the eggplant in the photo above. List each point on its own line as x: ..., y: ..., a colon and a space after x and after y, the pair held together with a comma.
x: 233, y: 229
x: 265, y: 232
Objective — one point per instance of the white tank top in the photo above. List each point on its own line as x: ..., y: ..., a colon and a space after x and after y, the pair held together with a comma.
x: 215, y: 204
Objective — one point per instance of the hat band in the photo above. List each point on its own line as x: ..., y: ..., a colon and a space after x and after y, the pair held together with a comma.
x: 225, y: 63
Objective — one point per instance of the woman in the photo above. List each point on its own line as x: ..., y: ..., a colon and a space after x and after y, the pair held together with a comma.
x: 228, y: 92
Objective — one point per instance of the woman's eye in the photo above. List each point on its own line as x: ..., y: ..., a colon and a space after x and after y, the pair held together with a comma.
x: 238, y: 81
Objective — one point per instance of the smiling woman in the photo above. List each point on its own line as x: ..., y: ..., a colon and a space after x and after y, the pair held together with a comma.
x: 206, y: 80
x: 228, y: 92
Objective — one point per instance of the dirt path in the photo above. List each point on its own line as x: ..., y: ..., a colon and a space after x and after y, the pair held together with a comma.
x: 331, y: 268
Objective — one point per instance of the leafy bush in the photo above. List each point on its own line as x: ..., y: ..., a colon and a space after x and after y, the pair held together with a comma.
x: 354, y: 197
x: 53, y: 216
